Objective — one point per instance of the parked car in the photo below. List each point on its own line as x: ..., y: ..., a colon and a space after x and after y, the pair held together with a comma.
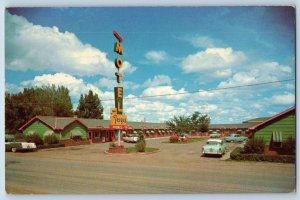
x: 214, y: 146
x: 236, y: 138
x: 20, y: 146
x: 184, y: 137
x: 215, y: 135
x: 130, y: 137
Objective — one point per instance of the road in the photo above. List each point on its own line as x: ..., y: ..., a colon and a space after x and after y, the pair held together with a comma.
x: 176, y: 169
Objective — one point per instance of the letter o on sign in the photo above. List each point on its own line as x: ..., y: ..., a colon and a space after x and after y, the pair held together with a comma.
x: 118, y: 62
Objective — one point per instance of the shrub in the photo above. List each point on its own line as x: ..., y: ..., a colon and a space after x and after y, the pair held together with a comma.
x: 140, y: 146
x: 51, y: 139
x: 174, y: 138
x: 19, y: 137
x: 141, y: 135
x: 34, y: 138
x: 288, y: 147
x: 237, y: 155
x: 254, y: 145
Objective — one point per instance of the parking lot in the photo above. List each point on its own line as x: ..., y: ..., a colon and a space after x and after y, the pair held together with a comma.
x: 176, y: 168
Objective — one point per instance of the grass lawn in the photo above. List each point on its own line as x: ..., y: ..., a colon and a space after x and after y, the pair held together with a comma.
x: 190, y: 140
x: 133, y: 149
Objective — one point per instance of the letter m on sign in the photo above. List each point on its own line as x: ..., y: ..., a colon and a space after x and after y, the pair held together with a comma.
x: 118, y: 48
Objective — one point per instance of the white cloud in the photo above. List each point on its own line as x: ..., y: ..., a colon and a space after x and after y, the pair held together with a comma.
x: 213, y: 62
x: 75, y: 86
x: 164, y: 90
x: 257, y: 106
x: 110, y: 83
x: 290, y: 86
x: 158, y: 80
x: 285, y: 99
x: 12, y: 88
x: 262, y: 72
x: 206, y: 95
x: 106, y: 82
x: 156, y: 56
x: 34, y: 47
x: 151, y: 111
x: 200, y: 41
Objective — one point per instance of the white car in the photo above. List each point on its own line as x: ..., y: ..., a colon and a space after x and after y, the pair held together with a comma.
x: 214, y: 146
x: 130, y: 137
x: 20, y: 146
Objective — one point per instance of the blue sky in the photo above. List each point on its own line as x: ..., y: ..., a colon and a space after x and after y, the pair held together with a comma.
x: 167, y: 50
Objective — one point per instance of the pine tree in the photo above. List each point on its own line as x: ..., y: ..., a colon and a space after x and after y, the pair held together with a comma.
x: 45, y: 100
x: 90, y: 106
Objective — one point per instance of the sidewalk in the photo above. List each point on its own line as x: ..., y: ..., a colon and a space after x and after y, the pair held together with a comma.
x: 226, y: 156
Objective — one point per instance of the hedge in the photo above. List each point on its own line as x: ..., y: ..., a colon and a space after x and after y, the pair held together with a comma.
x: 237, y: 155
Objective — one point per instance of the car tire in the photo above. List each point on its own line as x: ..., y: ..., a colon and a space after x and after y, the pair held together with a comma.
x: 14, y: 149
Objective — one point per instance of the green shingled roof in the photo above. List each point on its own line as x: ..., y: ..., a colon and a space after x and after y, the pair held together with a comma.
x: 237, y: 126
x: 61, y: 122
x: 256, y: 120
x: 56, y: 122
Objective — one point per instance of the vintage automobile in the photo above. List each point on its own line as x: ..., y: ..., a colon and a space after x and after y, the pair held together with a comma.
x: 130, y: 137
x: 214, y: 146
x: 236, y: 138
x: 215, y: 135
x: 20, y: 146
x: 184, y: 137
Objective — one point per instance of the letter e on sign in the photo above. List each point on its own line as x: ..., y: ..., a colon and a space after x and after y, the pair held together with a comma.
x: 120, y: 92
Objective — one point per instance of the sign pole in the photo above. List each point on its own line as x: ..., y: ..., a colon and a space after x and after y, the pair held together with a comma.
x: 119, y: 137
x: 118, y: 120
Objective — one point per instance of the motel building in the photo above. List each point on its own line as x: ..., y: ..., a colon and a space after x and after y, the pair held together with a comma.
x: 89, y: 130
x: 273, y: 129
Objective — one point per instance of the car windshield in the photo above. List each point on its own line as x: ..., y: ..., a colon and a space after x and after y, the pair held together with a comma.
x: 213, y: 143
x: 133, y: 135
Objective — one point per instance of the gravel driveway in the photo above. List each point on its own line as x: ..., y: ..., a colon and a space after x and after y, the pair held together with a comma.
x: 176, y: 168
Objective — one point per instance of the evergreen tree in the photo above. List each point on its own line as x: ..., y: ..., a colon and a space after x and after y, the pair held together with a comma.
x: 90, y: 106
x: 45, y: 100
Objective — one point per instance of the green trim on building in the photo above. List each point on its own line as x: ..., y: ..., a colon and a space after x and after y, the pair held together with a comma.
x: 74, y: 129
x: 285, y: 125
x: 37, y: 127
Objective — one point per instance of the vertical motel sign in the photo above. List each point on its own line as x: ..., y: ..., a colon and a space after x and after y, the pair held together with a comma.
x: 117, y: 118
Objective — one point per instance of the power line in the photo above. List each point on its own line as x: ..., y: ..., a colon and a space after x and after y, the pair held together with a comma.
x: 206, y: 90
x: 180, y: 93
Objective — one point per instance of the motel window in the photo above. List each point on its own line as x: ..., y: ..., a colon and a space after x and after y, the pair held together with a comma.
x: 276, y: 139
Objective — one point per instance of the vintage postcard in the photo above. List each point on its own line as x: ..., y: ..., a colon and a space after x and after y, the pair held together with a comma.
x: 150, y: 100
